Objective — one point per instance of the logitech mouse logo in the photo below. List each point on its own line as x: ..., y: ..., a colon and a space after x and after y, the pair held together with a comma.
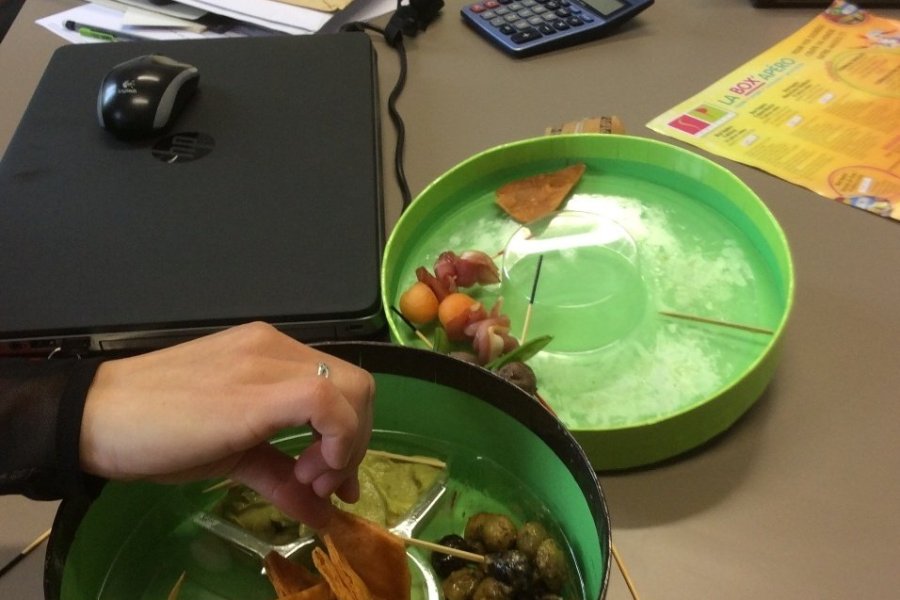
x: 183, y: 146
x: 129, y: 86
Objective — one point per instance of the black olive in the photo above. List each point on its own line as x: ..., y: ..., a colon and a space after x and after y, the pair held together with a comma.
x: 465, y: 357
x: 444, y: 564
x: 511, y: 567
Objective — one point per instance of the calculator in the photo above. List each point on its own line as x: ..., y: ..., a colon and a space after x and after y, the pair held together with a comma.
x: 527, y: 27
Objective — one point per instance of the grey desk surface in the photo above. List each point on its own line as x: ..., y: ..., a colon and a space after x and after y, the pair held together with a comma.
x: 800, y: 498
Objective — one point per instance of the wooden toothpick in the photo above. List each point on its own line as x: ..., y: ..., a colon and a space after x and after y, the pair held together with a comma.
x: 537, y: 274
x: 412, y: 326
x: 25, y: 552
x: 619, y: 563
x: 410, y: 458
x: 470, y: 556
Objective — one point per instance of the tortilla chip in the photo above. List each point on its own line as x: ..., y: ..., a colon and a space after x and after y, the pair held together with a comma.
x: 533, y: 197
x: 378, y: 556
x: 320, y: 591
x: 345, y: 583
x: 288, y: 577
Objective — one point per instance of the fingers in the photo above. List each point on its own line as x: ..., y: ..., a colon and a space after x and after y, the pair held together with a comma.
x: 342, y: 420
x: 271, y: 474
x: 312, y: 469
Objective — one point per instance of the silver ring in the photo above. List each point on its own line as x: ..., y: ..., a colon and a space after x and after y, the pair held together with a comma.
x: 323, y: 370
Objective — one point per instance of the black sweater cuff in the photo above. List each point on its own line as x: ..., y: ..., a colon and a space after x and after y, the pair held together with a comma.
x: 41, y: 408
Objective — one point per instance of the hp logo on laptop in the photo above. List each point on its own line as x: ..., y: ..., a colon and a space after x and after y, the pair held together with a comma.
x: 183, y: 147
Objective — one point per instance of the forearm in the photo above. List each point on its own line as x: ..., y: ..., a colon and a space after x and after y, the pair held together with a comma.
x: 41, y: 407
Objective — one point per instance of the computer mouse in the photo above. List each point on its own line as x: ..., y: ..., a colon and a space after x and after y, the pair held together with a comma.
x: 144, y: 95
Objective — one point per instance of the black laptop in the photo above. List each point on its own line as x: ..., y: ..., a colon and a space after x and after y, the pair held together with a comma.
x: 261, y: 202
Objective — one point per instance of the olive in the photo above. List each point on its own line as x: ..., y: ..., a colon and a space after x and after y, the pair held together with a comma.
x: 491, y: 589
x: 461, y: 584
x: 511, y: 567
x: 496, y: 532
x: 530, y: 536
x: 444, y: 564
x: 475, y: 525
x: 520, y: 374
x: 550, y: 565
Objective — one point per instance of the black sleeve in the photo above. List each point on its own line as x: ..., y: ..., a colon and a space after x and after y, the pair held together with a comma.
x: 41, y: 406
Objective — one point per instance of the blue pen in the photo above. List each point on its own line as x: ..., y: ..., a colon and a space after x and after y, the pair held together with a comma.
x: 101, y: 34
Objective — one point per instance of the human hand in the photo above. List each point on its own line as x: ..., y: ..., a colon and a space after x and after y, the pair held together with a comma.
x: 207, y: 407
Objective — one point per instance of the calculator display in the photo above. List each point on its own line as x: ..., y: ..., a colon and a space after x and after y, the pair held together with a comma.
x: 606, y: 7
x: 526, y: 27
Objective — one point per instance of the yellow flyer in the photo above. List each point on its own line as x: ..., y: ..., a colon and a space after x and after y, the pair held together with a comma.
x: 820, y: 109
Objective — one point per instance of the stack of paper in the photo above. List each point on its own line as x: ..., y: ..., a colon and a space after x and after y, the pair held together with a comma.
x: 184, y: 19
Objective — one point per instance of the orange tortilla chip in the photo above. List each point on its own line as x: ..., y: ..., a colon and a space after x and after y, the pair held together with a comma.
x: 533, y: 197
x: 320, y: 591
x: 378, y: 556
x: 345, y: 583
x: 288, y: 577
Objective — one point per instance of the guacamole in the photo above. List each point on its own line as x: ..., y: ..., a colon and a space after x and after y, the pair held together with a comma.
x: 389, y: 488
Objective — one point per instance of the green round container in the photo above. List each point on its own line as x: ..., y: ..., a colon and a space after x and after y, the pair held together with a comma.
x: 504, y: 452
x: 650, y: 386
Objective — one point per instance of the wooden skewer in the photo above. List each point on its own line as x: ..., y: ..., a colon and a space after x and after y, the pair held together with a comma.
x: 741, y: 326
x: 470, y: 556
x: 25, y: 552
x: 628, y: 582
x: 537, y: 274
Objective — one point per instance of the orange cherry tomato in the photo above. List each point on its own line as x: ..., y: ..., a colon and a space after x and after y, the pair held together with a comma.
x: 419, y: 304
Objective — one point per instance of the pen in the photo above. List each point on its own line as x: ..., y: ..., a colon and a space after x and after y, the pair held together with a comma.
x: 100, y: 33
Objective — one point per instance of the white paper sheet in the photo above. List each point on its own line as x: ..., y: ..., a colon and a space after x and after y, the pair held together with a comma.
x: 106, y: 18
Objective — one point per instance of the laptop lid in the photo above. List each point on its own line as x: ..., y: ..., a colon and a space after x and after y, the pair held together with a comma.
x: 261, y: 202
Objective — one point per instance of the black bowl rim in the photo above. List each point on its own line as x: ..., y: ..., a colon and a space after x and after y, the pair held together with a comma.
x: 383, y: 357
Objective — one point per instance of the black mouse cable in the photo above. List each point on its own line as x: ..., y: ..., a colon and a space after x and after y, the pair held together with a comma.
x: 396, y: 42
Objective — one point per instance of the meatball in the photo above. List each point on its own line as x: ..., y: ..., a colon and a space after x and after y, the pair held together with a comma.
x: 530, y: 536
x: 491, y: 589
x: 461, y: 584
x: 550, y: 565
x: 496, y: 532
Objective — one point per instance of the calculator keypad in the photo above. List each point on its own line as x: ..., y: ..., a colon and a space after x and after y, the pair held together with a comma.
x: 527, y: 20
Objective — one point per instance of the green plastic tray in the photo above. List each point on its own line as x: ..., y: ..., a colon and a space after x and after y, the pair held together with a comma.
x: 504, y: 452
x: 707, y: 246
